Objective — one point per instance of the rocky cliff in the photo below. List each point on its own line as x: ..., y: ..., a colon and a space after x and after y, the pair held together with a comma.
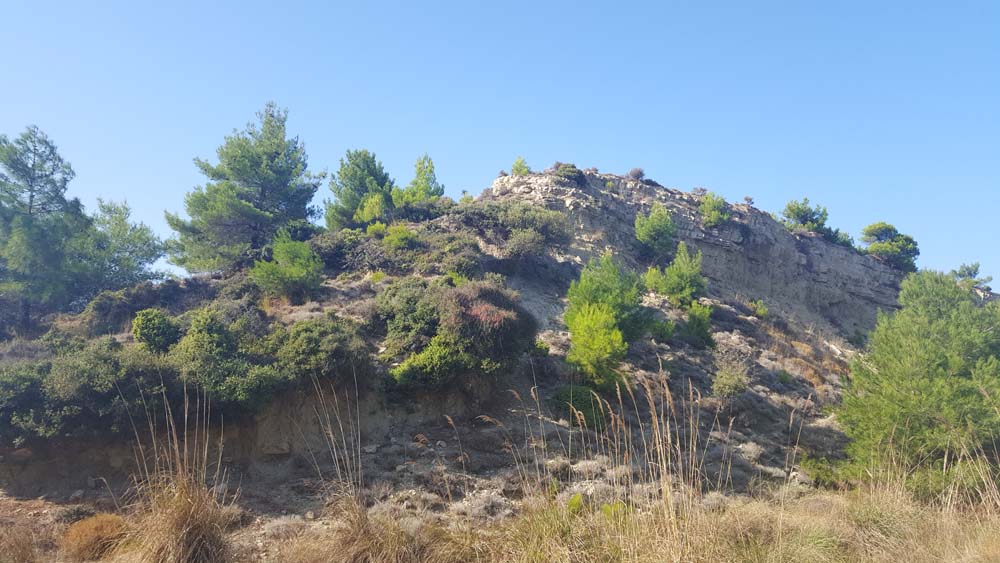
x: 752, y: 256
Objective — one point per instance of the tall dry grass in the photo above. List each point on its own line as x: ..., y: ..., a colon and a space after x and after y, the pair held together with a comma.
x: 180, y: 507
x: 663, y: 506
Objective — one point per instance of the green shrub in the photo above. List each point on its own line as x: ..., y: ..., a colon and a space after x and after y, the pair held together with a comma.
x: 732, y: 377
x: 596, y: 343
x: 376, y: 229
x: 655, y: 232
x: 572, y: 401
x: 496, y: 221
x: 697, y: 331
x: 604, y: 282
x: 376, y: 276
x: 890, y: 246
x: 681, y: 281
x: 321, y: 348
x: 785, y: 378
x: 926, y: 388
x: 524, y: 243
x: 713, y: 210
x: 570, y: 173
x: 155, y: 329
x: 443, y: 332
x: 800, y: 216
x: 520, y: 167
x: 662, y: 331
x: 399, y: 237
x: 758, y: 308
x: 294, y: 272
x: 112, y: 311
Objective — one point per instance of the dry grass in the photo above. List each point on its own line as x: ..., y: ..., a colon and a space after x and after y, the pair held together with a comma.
x: 17, y: 544
x: 92, y: 538
x: 175, y: 515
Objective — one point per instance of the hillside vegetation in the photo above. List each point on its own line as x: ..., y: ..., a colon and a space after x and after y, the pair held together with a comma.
x: 573, y: 366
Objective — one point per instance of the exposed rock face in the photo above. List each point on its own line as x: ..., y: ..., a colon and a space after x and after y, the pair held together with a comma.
x: 752, y: 256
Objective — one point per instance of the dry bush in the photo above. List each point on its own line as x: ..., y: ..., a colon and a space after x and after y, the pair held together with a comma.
x: 176, y: 516
x: 92, y: 538
x: 363, y: 538
x: 17, y: 544
x: 180, y: 520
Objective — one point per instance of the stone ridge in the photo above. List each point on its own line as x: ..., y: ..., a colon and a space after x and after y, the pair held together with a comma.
x: 752, y: 256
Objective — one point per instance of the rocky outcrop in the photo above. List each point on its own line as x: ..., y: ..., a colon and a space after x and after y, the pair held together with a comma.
x: 752, y: 256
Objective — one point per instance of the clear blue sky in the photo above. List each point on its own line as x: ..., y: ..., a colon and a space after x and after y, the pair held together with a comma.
x: 878, y: 110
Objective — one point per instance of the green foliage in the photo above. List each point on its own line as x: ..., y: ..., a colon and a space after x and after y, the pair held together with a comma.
x: 597, y: 345
x: 360, y: 177
x: 574, y: 401
x: 373, y: 207
x: 377, y: 276
x: 524, y: 243
x: 466, y: 198
x: 570, y: 173
x: 112, y: 311
x: 294, y: 272
x: 890, y: 246
x: 260, y: 186
x: 575, y: 505
x: 520, y: 167
x: 800, y: 216
x: 445, y: 333
x: 967, y: 276
x: 655, y: 232
x: 119, y: 252
x: 662, y: 331
x: 926, y: 387
x: 758, y: 308
x: 681, y: 281
x: 399, y: 237
x: 423, y: 188
x: 713, y: 210
x: 376, y: 230
x: 697, y: 330
x: 731, y: 378
x: 602, y: 281
x: 324, y: 348
x: 155, y: 329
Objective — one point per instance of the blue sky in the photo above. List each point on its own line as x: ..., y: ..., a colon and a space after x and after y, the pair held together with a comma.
x: 880, y: 111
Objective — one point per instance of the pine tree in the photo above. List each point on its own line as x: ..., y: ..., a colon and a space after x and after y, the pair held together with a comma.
x: 260, y: 186
x: 424, y: 186
x: 360, y: 175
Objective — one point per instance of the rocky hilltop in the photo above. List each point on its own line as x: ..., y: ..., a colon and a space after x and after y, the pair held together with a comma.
x: 751, y: 256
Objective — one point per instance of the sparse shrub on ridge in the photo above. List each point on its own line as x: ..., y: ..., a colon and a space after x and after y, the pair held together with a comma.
x: 570, y: 173
x: 520, y: 167
x: 713, y: 210
x: 890, y: 246
x: 294, y: 272
x: 800, y: 216
x: 636, y: 174
x: 681, y: 281
x: 697, y: 329
x: 655, y: 232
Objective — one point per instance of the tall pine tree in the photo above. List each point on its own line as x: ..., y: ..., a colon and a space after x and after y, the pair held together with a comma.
x: 362, y: 191
x: 260, y: 186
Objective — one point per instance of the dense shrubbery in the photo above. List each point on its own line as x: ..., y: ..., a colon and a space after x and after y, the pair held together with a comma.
x: 443, y: 333
x: 655, y: 232
x: 111, y: 311
x: 570, y: 173
x: 927, y: 386
x: 681, y: 281
x: 516, y: 226
x: 294, y: 272
x: 890, y: 246
x: 155, y: 329
x: 799, y: 216
x: 713, y: 210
